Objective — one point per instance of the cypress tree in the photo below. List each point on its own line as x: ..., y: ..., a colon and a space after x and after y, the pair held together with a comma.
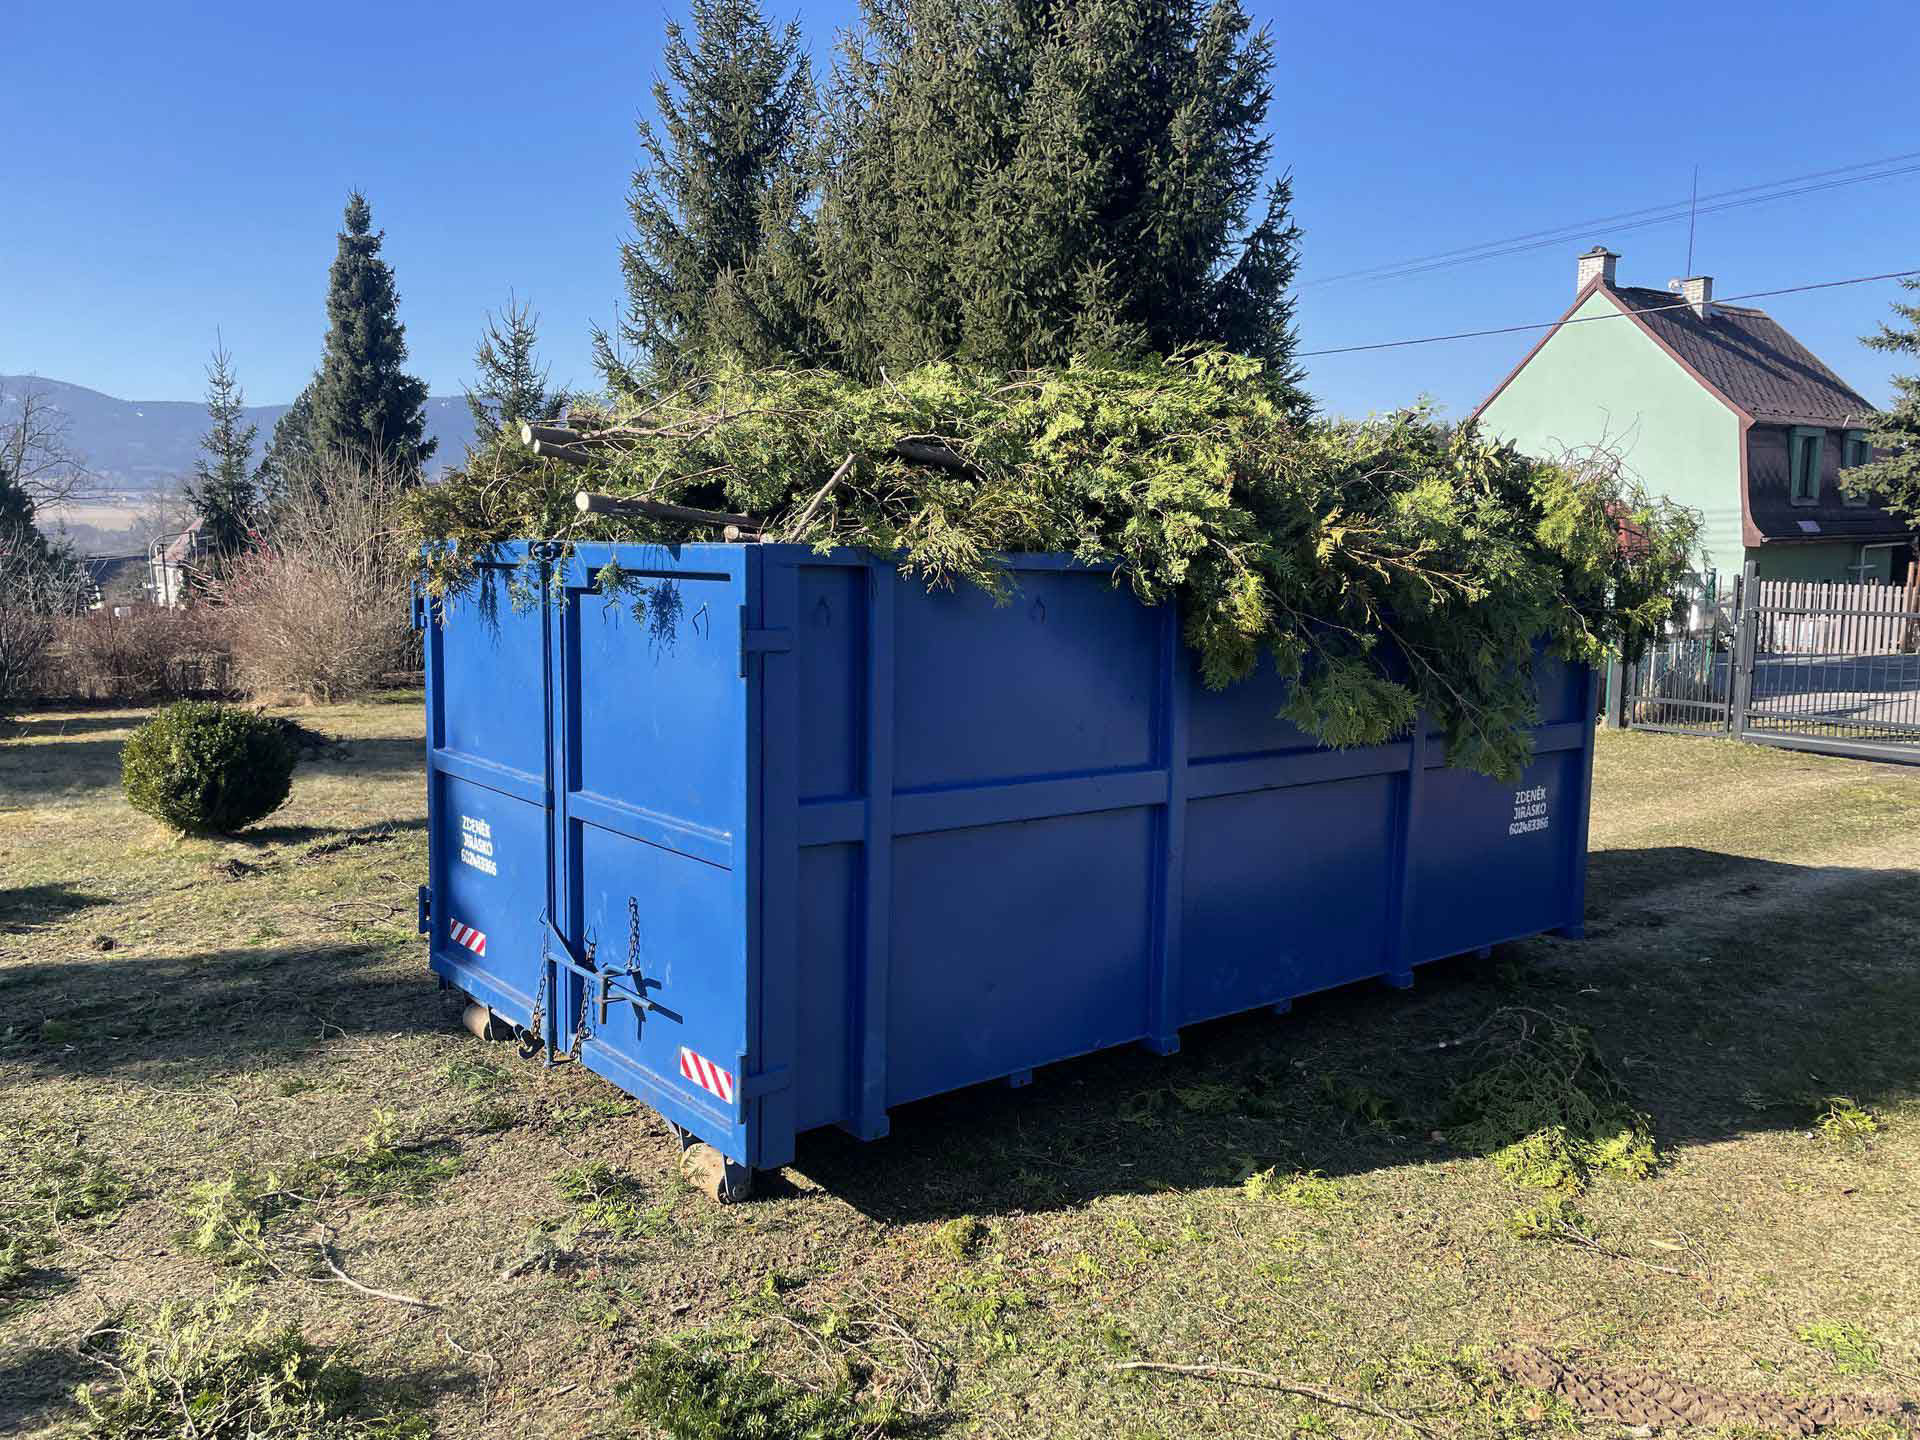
x: 1894, y: 478
x: 363, y: 401
x: 223, y: 492
x: 1011, y: 182
x: 511, y: 386
x: 716, y: 266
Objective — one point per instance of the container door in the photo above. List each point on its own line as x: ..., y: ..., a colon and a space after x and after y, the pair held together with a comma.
x: 651, y: 737
x: 488, y: 779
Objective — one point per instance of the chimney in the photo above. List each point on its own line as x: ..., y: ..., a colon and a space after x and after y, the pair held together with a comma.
x: 1597, y: 261
x: 1697, y: 291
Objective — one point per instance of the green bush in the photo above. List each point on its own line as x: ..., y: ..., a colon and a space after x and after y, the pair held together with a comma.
x: 208, y: 769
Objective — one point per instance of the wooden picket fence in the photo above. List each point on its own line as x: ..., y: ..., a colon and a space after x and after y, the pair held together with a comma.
x: 1808, y: 617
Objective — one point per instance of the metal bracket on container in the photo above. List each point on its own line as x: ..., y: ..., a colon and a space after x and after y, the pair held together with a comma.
x: 606, y: 996
x: 422, y: 606
x: 426, y: 910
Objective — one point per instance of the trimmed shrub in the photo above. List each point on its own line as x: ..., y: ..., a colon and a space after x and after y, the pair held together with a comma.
x: 208, y: 769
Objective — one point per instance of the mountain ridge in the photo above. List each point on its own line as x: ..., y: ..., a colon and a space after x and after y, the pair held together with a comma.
x: 137, y: 446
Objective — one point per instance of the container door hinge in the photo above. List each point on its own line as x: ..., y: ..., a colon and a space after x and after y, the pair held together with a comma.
x: 422, y: 606
x: 426, y: 910
x: 760, y: 642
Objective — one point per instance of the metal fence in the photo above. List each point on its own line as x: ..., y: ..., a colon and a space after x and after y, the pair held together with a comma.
x: 1824, y: 667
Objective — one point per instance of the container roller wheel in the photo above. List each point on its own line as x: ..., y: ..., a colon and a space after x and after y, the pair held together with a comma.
x: 714, y: 1175
x: 483, y: 1023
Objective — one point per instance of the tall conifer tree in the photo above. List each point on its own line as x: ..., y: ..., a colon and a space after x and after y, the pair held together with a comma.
x: 363, y: 400
x: 717, y: 264
x: 223, y: 492
x: 1015, y: 181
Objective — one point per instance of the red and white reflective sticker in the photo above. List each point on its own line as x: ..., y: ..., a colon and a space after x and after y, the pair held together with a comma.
x: 466, y: 935
x: 707, y: 1075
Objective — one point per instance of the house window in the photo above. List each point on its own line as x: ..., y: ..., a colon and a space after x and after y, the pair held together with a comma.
x: 1858, y: 452
x: 1807, y: 448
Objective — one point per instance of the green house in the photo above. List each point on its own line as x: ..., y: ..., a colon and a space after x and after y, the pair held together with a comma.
x: 1717, y: 407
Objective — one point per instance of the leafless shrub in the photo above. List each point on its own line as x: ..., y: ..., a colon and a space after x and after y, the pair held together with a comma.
x: 144, y: 653
x: 320, y: 611
x: 36, y: 590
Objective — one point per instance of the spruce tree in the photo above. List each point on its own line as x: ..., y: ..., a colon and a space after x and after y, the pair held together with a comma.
x: 223, y: 492
x: 717, y: 266
x: 363, y: 401
x: 511, y: 386
x: 1894, y: 478
x: 1011, y: 182
x: 288, y: 448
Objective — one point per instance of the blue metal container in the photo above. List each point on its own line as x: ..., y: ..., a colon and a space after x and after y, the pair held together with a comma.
x: 808, y: 841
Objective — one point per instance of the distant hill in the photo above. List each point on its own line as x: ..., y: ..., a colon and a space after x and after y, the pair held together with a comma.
x: 138, y: 445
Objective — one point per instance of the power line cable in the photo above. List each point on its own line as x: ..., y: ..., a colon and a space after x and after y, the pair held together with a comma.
x: 1657, y: 220
x: 1647, y: 215
x: 1612, y: 315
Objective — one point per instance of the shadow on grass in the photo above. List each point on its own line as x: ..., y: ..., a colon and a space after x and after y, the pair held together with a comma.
x: 27, y: 907
x: 248, y: 1007
x: 37, y: 1384
x: 344, y: 836
x: 49, y: 727
x: 1729, y: 994
x: 29, y: 773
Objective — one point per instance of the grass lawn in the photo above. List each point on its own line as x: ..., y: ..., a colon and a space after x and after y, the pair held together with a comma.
x: 224, y: 1068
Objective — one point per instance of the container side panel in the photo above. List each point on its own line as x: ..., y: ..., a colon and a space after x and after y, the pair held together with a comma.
x: 1016, y: 945
x: 1562, y: 689
x: 488, y: 777
x: 1492, y: 860
x: 1286, y: 892
x: 827, y: 946
x: 830, y: 649
x: 1061, y: 680
x: 492, y: 657
x: 1241, y: 719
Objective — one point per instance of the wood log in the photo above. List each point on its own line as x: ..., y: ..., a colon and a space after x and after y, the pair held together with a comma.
x: 927, y: 452
x: 553, y: 450
x: 550, y: 434
x: 589, y: 503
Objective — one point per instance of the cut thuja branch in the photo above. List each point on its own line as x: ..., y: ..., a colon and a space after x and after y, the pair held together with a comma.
x: 1387, y: 569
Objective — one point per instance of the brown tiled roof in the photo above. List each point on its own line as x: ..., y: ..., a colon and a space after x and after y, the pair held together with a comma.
x: 181, y: 548
x: 1749, y: 357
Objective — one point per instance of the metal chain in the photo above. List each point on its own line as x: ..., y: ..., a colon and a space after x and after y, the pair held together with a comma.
x: 580, y: 1029
x: 633, y: 936
x: 535, y: 1020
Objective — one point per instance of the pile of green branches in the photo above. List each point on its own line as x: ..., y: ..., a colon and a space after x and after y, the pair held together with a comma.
x: 1385, y: 567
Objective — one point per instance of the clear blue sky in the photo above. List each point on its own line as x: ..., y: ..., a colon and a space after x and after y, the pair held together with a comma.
x: 167, y: 170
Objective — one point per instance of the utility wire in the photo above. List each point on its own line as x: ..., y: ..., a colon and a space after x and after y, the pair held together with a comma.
x: 1781, y: 189
x: 1610, y: 315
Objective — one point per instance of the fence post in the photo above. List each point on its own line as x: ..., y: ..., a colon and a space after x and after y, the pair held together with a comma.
x: 1747, y: 601
x: 1616, y: 699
